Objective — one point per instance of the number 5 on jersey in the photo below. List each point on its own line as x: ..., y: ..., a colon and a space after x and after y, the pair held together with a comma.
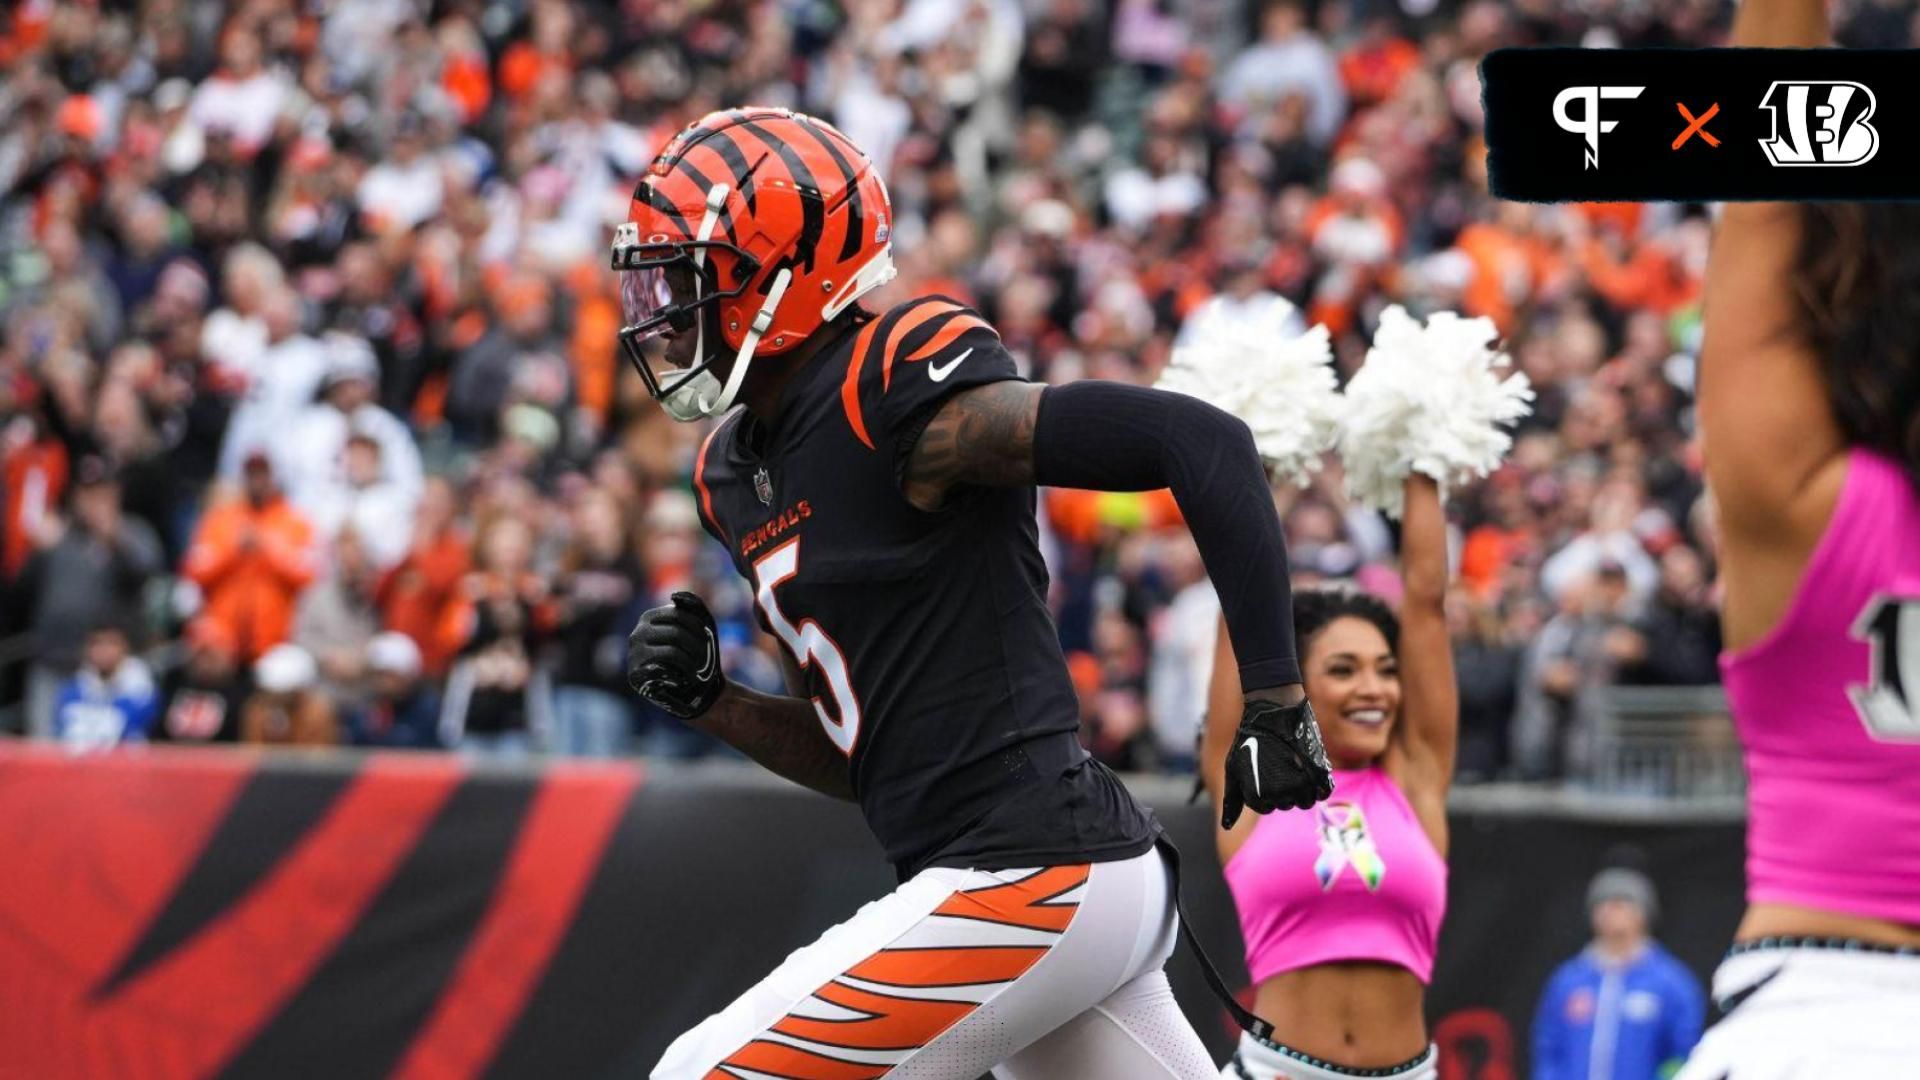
x: 809, y: 645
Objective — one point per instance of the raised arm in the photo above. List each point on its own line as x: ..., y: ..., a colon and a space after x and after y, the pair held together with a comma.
x: 1774, y: 453
x: 1429, y: 698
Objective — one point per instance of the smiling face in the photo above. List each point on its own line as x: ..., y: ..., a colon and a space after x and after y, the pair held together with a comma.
x: 1353, y: 682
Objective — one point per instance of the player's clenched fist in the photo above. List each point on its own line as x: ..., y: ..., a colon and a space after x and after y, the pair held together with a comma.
x: 1277, y: 761
x: 673, y: 657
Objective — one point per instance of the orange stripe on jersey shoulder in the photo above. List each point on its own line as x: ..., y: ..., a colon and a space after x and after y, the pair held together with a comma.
x: 779, y: 1059
x: 700, y: 482
x: 909, y: 322
x: 850, y: 390
x: 1029, y: 902
x: 958, y: 325
x: 960, y: 966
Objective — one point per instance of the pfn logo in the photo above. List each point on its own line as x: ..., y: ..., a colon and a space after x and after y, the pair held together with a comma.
x: 1589, y: 125
x: 1826, y: 124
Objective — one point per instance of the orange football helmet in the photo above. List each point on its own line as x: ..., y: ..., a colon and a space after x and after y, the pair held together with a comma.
x: 753, y: 227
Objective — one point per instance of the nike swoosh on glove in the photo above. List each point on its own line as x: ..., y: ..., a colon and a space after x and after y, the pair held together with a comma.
x: 673, y: 657
x: 1277, y: 762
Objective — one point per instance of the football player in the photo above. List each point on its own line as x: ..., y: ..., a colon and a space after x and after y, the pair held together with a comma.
x: 877, y: 490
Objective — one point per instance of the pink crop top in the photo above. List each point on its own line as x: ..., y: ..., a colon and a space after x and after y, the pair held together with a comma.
x: 1354, y: 878
x: 1828, y: 707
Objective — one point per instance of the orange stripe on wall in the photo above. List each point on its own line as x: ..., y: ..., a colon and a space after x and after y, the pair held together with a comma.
x: 94, y: 848
x: 192, y: 1010
x: 554, y: 857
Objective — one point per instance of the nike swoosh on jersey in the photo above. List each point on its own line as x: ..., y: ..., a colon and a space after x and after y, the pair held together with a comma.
x: 1253, y: 761
x: 939, y: 372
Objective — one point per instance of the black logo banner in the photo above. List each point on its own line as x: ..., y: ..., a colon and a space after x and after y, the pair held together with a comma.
x: 1698, y: 125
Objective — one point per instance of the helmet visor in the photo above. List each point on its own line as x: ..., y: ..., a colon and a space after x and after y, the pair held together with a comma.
x: 659, y: 296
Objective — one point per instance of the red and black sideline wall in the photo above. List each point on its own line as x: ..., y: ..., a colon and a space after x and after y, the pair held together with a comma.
x: 213, y: 913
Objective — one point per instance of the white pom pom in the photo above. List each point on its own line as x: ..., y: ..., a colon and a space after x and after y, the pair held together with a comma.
x: 1280, y: 383
x: 1428, y: 400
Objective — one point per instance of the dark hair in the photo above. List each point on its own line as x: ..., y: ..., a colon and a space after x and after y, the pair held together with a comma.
x: 1856, y: 281
x: 1316, y: 607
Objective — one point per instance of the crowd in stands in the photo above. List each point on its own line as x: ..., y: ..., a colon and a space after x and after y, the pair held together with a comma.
x: 313, y: 428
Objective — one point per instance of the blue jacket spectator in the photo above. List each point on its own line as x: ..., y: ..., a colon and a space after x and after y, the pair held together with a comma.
x: 1624, y: 1008
x: 112, y: 699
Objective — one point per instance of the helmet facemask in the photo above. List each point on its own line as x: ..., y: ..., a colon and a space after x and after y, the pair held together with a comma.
x: 676, y: 285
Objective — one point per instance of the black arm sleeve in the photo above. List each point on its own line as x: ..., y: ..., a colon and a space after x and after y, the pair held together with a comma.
x: 1108, y: 436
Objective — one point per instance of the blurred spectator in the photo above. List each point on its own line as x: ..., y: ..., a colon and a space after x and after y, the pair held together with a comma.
x: 370, y: 307
x: 286, y: 707
x: 1115, y: 731
x: 111, y: 699
x: 365, y: 502
x: 1608, y: 542
x: 1182, y: 659
x: 242, y: 98
x: 1288, y: 59
x: 337, y: 617
x: 401, y: 708
x: 521, y: 347
x: 405, y: 188
x: 1625, y: 1008
x: 1677, y: 640
x: 288, y: 375
x: 497, y: 695
x: 1243, y: 297
x: 1566, y: 672
x: 36, y: 466
x: 89, y: 571
x: 418, y: 597
x: 252, y: 557
x: 1486, y: 665
x: 205, y: 692
x: 599, y: 577
x: 320, y: 471
x: 235, y: 336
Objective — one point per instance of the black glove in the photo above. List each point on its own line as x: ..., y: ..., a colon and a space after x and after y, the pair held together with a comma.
x: 1276, y: 761
x: 673, y: 657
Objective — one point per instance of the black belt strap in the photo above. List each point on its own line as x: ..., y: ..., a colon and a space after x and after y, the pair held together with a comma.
x: 1255, y: 1026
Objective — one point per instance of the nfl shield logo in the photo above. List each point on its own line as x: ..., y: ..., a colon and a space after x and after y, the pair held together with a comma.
x: 763, y: 486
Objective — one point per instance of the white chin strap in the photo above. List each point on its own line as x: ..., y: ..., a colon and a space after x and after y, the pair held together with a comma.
x: 703, y: 395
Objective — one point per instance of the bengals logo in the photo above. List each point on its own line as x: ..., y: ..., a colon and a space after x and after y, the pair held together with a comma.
x: 1820, y: 123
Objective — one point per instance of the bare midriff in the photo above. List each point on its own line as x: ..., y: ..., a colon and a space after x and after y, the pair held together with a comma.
x: 1360, y: 1015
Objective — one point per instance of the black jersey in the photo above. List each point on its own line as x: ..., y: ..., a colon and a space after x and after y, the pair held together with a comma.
x: 925, y: 638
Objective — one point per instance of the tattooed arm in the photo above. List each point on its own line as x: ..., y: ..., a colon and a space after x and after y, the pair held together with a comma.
x: 980, y: 436
x: 1114, y: 437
